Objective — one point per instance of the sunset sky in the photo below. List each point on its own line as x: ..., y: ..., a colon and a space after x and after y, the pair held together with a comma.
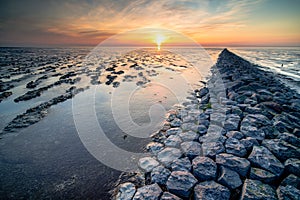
x: 209, y: 22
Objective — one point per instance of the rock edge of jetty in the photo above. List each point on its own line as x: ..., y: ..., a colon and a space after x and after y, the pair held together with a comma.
x: 235, y: 138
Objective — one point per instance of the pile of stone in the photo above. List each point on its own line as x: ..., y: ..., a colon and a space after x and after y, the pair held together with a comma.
x: 236, y: 138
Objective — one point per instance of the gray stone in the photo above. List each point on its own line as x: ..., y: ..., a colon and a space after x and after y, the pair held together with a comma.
x: 169, y: 196
x: 261, y: 157
x: 233, y: 146
x: 212, y: 137
x: 211, y: 190
x: 232, y: 122
x: 205, y: 99
x: 235, y: 134
x: 286, y: 122
x: 288, y: 193
x: 158, y: 137
x: 126, y: 191
x: 182, y: 113
x: 240, y: 165
x: 250, y: 101
x: 204, y: 122
x: 154, y: 147
x: 216, y: 129
x: 166, y: 126
x: 189, y: 136
x: 292, y: 180
x: 147, y: 164
x: 281, y: 149
x: 188, y: 119
x: 203, y: 116
x: 173, y: 131
x: 203, y: 91
x: 181, y: 183
x: 194, y: 112
x: 168, y: 155
x: 243, y: 106
x: 296, y: 132
x: 249, y: 142
x: 281, y: 126
x: 148, y: 192
x: 171, y: 115
x: 229, y: 178
x: 204, y: 168
x: 160, y: 175
x: 270, y: 132
x: 253, y: 110
x: 214, y: 134
x: 202, y: 129
x: 173, y: 141
x: 217, y: 118
x: 264, y: 92
x: 255, y: 190
x: 182, y: 164
x: 290, y: 138
x: 252, y: 131
x: 236, y: 110
x: 225, y: 101
x: 256, y: 120
x: 211, y: 149
x: 262, y: 175
x: 189, y: 127
x: 175, y: 123
x: 292, y: 165
x: 231, y: 125
x: 191, y: 149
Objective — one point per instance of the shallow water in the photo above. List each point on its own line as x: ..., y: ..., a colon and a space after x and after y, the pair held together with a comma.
x: 48, y: 158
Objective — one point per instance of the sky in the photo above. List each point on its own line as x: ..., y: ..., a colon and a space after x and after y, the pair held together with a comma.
x: 208, y: 22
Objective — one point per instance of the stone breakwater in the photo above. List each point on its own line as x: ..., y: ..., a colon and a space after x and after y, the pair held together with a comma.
x: 235, y: 138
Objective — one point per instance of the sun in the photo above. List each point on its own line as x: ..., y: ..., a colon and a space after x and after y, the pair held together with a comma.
x: 159, y: 39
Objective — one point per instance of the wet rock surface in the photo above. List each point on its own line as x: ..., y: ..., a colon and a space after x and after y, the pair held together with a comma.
x: 160, y: 175
x: 240, y: 165
x: 169, y: 196
x: 126, y: 191
x: 147, y: 164
x: 181, y: 183
x: 239, y: 140
x: 229, y: 178
x: 204, y: 168
x: 254, y: 189
x: 263, y: 158
x: 168, y: 155
x: 211, y: 190
x: 149, y: 192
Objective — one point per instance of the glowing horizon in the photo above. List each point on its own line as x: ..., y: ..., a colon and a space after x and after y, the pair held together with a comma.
x: 208, y: 22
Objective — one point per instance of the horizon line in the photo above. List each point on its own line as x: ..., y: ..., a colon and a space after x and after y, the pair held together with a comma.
x: 141, y: 46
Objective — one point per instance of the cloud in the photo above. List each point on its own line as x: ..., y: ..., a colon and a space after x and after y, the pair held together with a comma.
x: 178, y: 15
x: 92, y: 20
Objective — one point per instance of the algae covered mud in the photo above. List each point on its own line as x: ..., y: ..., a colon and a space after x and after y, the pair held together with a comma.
x: 42, y: 156
x: 240, y: 141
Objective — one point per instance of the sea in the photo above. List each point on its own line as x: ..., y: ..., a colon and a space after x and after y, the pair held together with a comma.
x: 62, y: 151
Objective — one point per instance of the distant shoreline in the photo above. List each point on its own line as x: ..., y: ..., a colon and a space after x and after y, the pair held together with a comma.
x: 182, y: 46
